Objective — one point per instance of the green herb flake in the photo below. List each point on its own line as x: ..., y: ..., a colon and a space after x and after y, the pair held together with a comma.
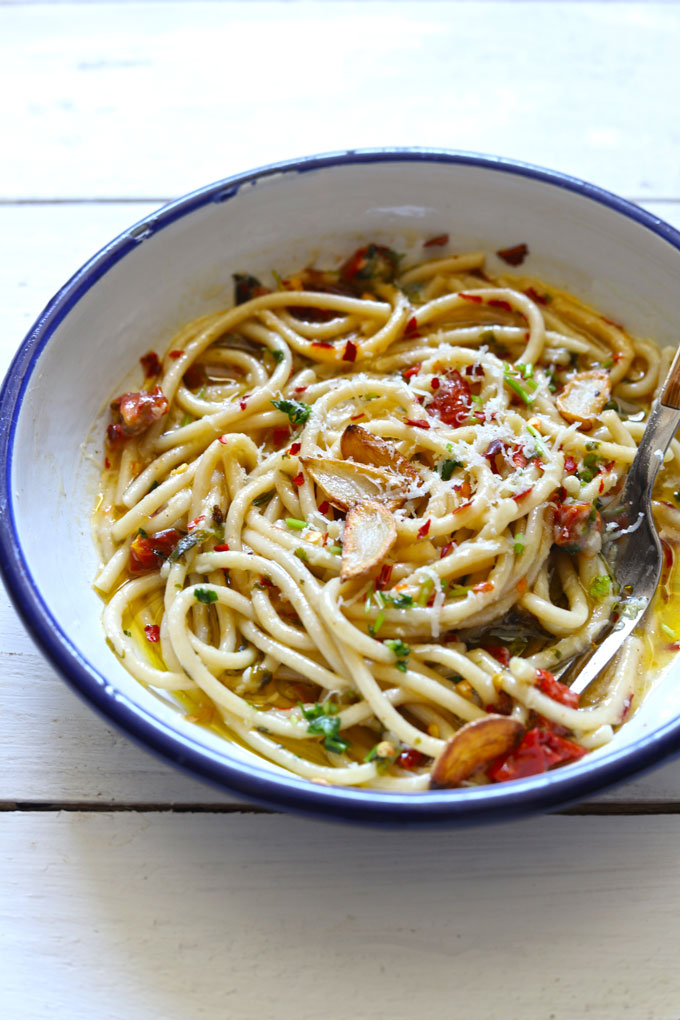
x: 401, y: 651
x: 142, y: 533
x: 186, y: 420
x: 263, y: 499
x: 127, y: 633
x: 375, y: 627
x: 297, y: 411
x: 187, y: 542
x: 400, y: 601
x: 278, y: 356
x: 447, y: 467
x: 205, y: 595
x: 323, y: 722
x: 301, y: 554
x: 600, y: 587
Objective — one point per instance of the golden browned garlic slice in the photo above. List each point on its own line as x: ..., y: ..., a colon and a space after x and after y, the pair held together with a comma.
x: 584, y: 396
x: 345, y: 484
x: 361, y: 445
x: 370, y: 533
x: 475, y: 745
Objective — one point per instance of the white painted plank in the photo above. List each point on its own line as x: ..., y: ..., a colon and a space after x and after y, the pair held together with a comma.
x: 137, y: 916
x: 150, y: 99
x: 58, y: 750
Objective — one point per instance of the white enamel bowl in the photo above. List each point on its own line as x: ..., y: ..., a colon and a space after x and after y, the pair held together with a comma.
x: 177, y: 264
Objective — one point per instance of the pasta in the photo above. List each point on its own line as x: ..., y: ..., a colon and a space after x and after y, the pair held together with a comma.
x: 353, y: 522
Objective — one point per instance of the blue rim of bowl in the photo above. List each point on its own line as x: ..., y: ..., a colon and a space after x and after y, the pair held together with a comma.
x: 272, y: 789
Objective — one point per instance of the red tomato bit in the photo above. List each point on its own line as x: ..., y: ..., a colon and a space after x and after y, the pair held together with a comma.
x: 539, y: 751
x: 153, y: 632
x: 299, y: 479
x: 577, y: 527
x: 350, y: 353
x: 147, y: 552
x: 136, y: 412
x: 410, y: 372
x: 324, y: 507
x: 295, y: 448
x: 151, y: 365
x: 221, y: 548
x: 514, y: 256
x: 437, y: 242
x: 411, y: 329
x: 410, y: 759
x: 434, y: 382
x: 546, y: 682
x: 453, y: 400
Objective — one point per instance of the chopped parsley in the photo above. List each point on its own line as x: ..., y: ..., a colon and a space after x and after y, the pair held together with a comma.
x: 205, y: 595
x: 323, y: 722
x: 298, y: 412
x: 278, y: 356
x: 401, y: 651
x: 447, y: 467
x: 263, y: 499
x: 187, y: 542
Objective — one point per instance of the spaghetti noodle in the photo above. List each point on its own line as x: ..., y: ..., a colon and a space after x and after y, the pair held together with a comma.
x: 352, y: 517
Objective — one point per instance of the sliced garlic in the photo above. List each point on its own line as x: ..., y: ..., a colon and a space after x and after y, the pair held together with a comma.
x: 360, y: 445
x: 345, y: 484
x: 475, y: 745
x: 370, y: 533
x: 584, y: 396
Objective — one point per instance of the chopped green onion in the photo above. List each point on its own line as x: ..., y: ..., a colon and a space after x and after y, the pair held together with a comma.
x: 668, y: 632
x: 375, y: 627
x: 537, y: 439
x: 516, y: 386
x: 519, y: 545
x: 295, y: 524
x: 335, y: 550
x: 301, y: 555
x: 425, y: 591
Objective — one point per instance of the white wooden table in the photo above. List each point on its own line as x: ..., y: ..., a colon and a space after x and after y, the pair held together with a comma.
x: 129, y: 891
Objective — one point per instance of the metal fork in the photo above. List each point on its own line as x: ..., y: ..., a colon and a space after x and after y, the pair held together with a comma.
x: 631, y: 544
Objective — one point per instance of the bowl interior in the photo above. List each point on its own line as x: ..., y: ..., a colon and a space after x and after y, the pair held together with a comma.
x: 177, y: 265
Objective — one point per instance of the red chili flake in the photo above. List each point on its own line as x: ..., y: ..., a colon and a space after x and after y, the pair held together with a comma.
x: 356, y: 417
x: 463, y: 506
x: 570, y: 465
x: 300, y: 389
x: 175, y: 355
x: 422, y: 532
x: 107, y: 463
x: 148, y: 553
x: 299, y: 479
x: 324, y: 507
x: 609, y: 465
x: 521, y: 495
x: 350, y: 353
x: 280, y: 435
x: 153, y: 632
x: 613, y: 323
x: 418, y: 423
x: 411, y: 328
x: 294, y: 448
x: 221, y: 548
x: 434, y: 382
x: 321, y: 343
x: 242, y: 404
x: 475, y: 298
x: 266, y: 582
x: 519, y: 458
x: 196, y: 521
x: 601, y: 485
x: 546, y: 682
x: 324, y: 539
x: 618, y: 355
x: 482, y: 587
x: 410, y: 372
x: 475, y: 369
x: 446, y: 550
x: 499, y: 652
x: 437, y: 242
x: 514, y: 256
x: 385, y: 576
x: 539, y: 299
x: 626, y: 707
x: 492, y: 451
x: 498, y: 303
x: 151, y: 365
x: 667, y: 554
x: 410, y: 759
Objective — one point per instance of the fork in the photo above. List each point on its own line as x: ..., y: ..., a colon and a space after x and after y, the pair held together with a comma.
x: 631, y: 545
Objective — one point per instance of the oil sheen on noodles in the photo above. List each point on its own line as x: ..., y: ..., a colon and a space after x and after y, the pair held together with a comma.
x: 353, y: 522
